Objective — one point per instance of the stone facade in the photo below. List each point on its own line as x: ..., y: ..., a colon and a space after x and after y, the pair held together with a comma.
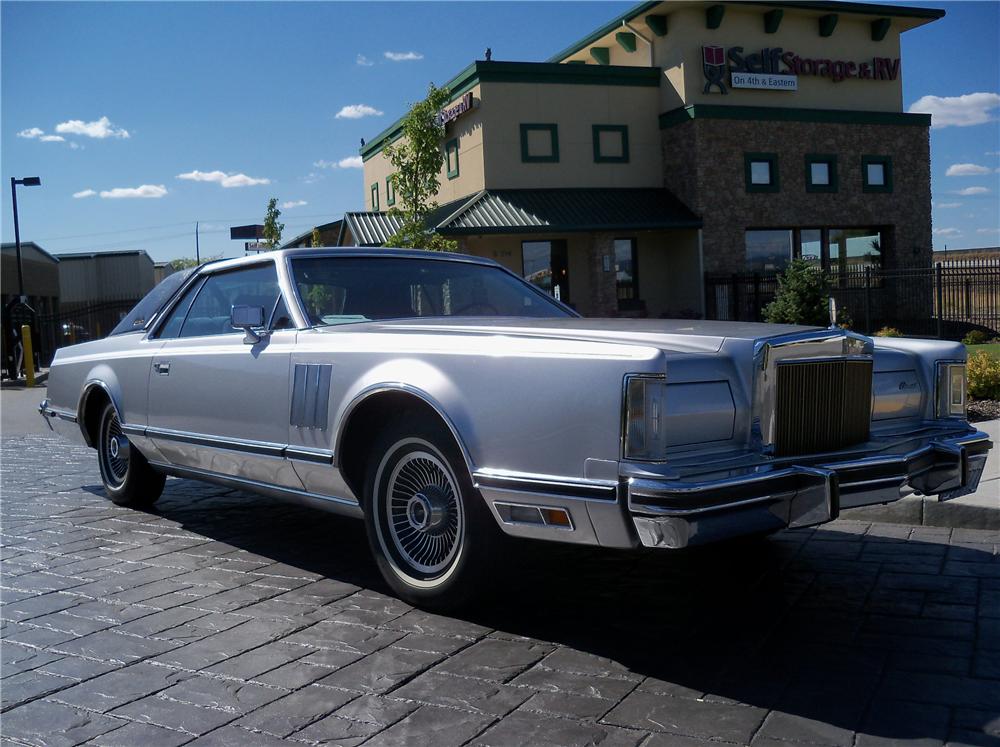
x: 603, y: 301
x: 703, y: 164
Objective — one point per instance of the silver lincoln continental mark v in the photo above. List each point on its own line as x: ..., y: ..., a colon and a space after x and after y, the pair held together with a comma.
x: 445, y: 400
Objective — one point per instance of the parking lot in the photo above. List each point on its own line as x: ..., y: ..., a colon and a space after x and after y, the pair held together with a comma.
x: 228, y: 619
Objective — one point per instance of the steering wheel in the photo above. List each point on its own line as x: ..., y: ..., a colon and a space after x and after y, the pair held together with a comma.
x: 483, y: 304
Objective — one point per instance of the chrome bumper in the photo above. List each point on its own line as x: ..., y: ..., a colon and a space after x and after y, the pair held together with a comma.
x: 678, y: 513
x: 61, y: 421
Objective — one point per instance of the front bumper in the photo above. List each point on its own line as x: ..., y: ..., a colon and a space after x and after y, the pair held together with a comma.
x: 673, y: 513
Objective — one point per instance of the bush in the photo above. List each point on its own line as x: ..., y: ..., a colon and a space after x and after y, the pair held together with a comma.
x: 803, y: 293
x: 984, y: 376
x: 888, y: 332
x: 975, y: 337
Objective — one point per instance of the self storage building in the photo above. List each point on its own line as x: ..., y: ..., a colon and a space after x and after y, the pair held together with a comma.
x: 680, y: 141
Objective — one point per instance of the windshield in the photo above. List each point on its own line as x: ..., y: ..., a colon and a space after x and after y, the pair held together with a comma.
x: 151, y: 303
x: 342, y: 290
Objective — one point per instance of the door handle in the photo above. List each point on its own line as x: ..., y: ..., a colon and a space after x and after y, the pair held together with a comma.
x: 162, y: 368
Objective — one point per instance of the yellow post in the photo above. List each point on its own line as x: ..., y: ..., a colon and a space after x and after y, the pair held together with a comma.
x: 29, y: 355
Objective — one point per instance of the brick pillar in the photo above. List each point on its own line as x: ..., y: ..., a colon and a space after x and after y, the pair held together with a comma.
x: 603, y: 287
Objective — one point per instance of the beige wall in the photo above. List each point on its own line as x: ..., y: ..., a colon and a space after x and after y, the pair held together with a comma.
x: 679, y: 55
x: 468, y: 128
x: 574, y: 109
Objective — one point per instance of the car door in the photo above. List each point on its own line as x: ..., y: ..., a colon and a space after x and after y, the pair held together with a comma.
x: 218, y: 403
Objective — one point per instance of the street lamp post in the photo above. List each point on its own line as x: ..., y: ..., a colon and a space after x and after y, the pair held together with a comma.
x: 28, y: 181
x: 9, y: 331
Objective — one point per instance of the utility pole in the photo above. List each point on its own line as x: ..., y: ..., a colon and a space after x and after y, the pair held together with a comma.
x: 197, y: 246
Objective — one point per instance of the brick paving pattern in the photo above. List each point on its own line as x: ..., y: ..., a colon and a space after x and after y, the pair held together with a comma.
x: 223, y: 618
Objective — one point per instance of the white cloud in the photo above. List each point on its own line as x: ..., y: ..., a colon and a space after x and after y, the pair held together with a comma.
x: 52, y: 139
x: 146, y: 190
x: 312, y: 177
x: 351, y: 162
x: 322, y: 164
x: 31, y: 133
x: 363, y: 61
x: 946, y: 232
x: 948, y: 205
x: 988, y: 230
x: 403, y: 56
x: 84, y: 193
x: 968, y: 191
x: 958, y: 111
x: 966, y: 169
x: 75, y: 146
x: 99, y: 128
x: 293, y: 204
x: 992, y: 153
x: 357, y: 111
x: 221, y: 177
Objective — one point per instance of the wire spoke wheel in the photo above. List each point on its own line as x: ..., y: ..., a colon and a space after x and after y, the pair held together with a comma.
x: 424, y: 516
x: 114, y: 451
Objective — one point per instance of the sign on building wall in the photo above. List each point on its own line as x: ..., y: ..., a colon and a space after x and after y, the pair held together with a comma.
x: 452, y: 113
x: 775, y: 69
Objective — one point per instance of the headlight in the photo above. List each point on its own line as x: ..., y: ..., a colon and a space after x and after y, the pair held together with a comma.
x: 645, y: 422
x: 951, y: 385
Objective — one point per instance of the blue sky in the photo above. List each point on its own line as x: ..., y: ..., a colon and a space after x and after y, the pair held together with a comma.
x: 131, y: 96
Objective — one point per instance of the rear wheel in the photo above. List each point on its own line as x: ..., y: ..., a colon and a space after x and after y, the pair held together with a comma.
x: 428, y: 527
x: 128, y: 479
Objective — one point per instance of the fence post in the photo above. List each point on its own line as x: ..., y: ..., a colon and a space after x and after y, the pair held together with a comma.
x: 868, y: 300
x: 940, y: 300
x: 29, y: 356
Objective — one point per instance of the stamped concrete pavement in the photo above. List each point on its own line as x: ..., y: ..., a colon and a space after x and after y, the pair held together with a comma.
x: 223, y: 618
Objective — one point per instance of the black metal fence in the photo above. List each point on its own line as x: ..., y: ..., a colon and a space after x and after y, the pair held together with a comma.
x: 946, y: 300
x: 53, y: 331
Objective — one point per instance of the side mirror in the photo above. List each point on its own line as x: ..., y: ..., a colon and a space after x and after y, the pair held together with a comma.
x: 251, y: 320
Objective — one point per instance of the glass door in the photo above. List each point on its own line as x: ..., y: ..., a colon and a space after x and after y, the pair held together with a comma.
x: 546, y: 265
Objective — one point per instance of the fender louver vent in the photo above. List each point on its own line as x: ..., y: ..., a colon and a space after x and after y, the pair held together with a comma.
x: 822, y: 405
x: 311, y: 395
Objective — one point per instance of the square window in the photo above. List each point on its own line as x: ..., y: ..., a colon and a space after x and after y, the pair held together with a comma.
x: 819, y: 174
x: 876, y: 173
x: 610, y: 143
x: 539, y: 143
x: 760, y: 172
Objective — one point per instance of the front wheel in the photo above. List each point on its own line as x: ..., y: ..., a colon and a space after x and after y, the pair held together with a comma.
x: 428, y: 527
x: 128, y: 479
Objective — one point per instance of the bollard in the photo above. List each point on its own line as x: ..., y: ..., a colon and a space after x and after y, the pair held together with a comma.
x: 29, y: 355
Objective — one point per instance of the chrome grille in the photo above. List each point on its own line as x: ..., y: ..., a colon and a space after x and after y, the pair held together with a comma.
x: 821, y: 405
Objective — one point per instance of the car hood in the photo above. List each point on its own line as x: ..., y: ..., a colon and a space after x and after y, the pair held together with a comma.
x: 680, y: 335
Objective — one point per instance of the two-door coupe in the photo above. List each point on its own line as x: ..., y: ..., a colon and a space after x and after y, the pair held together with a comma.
x: 441, y: 397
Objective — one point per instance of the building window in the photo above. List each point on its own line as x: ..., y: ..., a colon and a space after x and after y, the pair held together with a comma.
x: 390, y: 192
x: 761, y: 172
x: 539, y: 143
x: 451, y: 157
x: 821, y: 173
x: 627, y: 274
x: 375, y: 197
x: 876, y: 173
x: 769, y: 250
x: 546, y: 265
x: 610, y: 143
x: 854, y: 249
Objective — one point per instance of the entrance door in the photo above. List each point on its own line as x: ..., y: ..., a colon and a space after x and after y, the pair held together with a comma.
x: 546, y: 264
x: 216, y: 403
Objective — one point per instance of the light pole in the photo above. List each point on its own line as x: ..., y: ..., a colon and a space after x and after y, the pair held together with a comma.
x: 9, y: 331
x: 28, y: 181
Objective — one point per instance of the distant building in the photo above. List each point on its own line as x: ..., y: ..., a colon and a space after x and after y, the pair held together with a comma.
x: 104, y: 277
x: 329, y: 235
x: 161, y: 270
x: 41, y: 276
x: 952, y: 255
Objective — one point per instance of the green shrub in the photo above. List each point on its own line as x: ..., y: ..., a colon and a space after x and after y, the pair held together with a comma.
x: 803, y: 293
x: 975, y: 337
x: 984, y: 376
x: 888, y: 332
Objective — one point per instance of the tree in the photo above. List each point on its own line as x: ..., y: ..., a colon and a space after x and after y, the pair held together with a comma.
x: 803, y: 296
x: 186, y: 263
x: 416, y: 159
x: 316, y: 240
x: 273, y: 228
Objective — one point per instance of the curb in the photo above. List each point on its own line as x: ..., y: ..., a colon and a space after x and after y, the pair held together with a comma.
x: 929, y: 512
